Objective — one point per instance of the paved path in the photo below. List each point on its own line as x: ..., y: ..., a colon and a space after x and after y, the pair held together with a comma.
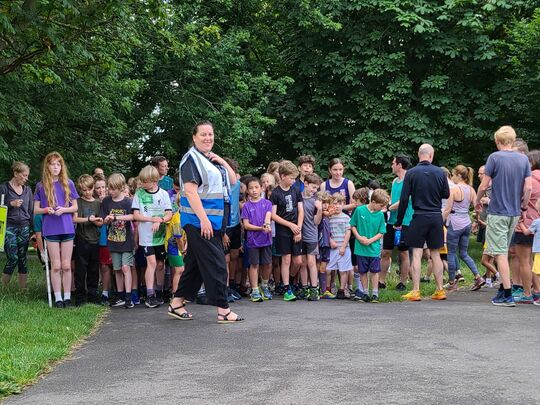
x: 459, y: 351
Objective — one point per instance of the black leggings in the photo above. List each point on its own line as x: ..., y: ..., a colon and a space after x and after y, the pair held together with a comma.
x: 204, y: 262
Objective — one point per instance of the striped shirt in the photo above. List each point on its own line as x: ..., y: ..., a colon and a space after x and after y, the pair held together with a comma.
x: 339, y: 225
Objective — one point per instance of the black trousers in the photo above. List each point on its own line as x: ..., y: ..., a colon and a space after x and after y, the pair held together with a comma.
x: 86, y: 268
x: 204, y: 262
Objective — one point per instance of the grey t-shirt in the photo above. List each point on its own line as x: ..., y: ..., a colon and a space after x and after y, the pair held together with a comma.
x: 309, y: 229
x: 508, y: 170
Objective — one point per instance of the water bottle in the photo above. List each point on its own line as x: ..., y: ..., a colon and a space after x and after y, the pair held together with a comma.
x: 397, y: 237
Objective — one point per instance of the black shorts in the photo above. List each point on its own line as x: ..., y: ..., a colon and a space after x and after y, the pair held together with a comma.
x: 285, y: 245
x: 235, y: 238
x: 389, y: 236
x: 521, y: 239
x: 310, y: 248
x: 158, y: 251
x: 426, y: 229
x: 481, y: 235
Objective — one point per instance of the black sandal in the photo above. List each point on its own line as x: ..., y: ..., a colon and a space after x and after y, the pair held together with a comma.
x: 227, y: 320
x: 185, y: 316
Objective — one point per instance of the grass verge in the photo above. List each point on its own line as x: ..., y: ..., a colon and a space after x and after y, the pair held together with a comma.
x: 33, y: 336
x: 426, y: 289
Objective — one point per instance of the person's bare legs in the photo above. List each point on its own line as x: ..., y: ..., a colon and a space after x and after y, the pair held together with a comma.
x: 437, y: 267
x: 53, y: 249
x: 254, y: 276
x: 66, y: 249
x: 404, y: 266
x: 304, y: 271
x: 524, y: 254
x: 312, y: 269
x: 515, y: 268
x: 416, y: 266
x: 386, y: 260
x: 6, y: 278
x: 504, y: 270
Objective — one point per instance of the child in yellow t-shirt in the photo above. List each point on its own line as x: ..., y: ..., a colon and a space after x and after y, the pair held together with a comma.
x: 174, y: 246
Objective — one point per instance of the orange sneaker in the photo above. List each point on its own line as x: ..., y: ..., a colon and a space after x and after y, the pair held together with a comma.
x: 439, y: 295
x: 412, y: 296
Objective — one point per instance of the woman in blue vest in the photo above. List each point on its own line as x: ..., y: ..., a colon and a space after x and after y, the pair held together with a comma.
x: 205, y: 180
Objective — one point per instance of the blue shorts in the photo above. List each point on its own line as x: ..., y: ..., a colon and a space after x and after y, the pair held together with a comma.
x: 368, y: 264
x: 64, y: 237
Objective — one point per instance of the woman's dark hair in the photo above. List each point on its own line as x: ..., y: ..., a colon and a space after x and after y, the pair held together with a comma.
x: 534, y: 159
x: 198, y: 124
x: 335, y: 161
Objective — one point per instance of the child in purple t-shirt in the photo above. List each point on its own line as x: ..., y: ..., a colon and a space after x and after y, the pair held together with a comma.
x: 56, y: 198
x: 256, y: 215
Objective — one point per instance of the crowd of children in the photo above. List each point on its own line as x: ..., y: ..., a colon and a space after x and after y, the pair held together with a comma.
x: 299, y: 237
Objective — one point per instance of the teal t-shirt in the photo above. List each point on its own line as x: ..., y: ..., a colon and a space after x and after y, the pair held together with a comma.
x: 394, y: 198
x: 368, y: 224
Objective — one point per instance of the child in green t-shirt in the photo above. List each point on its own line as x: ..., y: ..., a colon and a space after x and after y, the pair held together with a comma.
x: 368, y: 227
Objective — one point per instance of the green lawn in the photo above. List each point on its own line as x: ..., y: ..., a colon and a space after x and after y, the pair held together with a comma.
x: 390, y: 294
x: 33, y: 336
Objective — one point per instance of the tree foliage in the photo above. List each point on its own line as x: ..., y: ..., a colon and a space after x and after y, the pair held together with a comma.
x: 113, y: 82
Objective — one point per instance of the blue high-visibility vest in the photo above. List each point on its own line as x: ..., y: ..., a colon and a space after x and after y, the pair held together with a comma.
x: 210, y: 192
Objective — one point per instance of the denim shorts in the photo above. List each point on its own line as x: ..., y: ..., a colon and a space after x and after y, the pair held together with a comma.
x: 64, y: 237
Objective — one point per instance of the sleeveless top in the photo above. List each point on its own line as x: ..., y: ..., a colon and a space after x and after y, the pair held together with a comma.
x: 343, y: 188
x: 459, y: 218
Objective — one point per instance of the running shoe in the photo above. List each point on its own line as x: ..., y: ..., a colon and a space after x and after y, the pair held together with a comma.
x: 401, y: 287
x: 478, y: 283
x: 67, y: 304
x: 425, y: 279
x: 460, y: 278
x: 256, y: 296
x: 524, y: 299
x: 313, y: 294
x: 105, y: 301
x: 503, y: 301
x: 517, y: 291
x: 265, y: 292
x: 59, y: 304
x: 118, y: 303
x: 289, y: 296
x: 367, y: 298
x: 129, y: 304
x: 374, y: 298
x: 358, y: 295
x: 438, y: 295
x: 151, y: 302
x: 536, y: 298
x: 135, y: 299
x: 382, y: 286
x: 328, y: 295
x: 412, y: 296
x: 451, y: 286
x: 340, y: 295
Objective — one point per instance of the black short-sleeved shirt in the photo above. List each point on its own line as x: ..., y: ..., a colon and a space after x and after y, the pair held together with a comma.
x: 287, y: 207
x: 189, y: 172
x: 119, y: 233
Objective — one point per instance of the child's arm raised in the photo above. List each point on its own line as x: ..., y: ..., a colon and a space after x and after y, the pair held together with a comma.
x: 318, y: 215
